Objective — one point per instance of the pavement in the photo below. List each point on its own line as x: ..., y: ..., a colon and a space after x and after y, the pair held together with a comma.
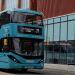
x: 60, y: 67
x: 36, y: 72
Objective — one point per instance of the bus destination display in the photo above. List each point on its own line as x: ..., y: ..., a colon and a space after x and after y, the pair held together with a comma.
x: 29, y: 30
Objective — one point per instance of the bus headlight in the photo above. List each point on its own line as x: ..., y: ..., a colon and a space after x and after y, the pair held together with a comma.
x: 41, y: 61
x: 13, y: 58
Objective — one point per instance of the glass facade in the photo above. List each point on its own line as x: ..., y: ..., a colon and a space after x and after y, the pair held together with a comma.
x: 60, y: 36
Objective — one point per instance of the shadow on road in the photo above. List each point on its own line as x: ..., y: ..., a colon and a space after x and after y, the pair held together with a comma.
x: 21, y: 71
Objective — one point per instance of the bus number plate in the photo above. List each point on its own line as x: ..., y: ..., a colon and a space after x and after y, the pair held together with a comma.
x: 30, y: 61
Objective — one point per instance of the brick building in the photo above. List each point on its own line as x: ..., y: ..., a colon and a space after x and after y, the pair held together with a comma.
x: 52, y: 8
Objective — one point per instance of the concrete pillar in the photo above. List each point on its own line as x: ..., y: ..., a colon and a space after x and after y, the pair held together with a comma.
x: 11, y: 4
x: 25, y: 4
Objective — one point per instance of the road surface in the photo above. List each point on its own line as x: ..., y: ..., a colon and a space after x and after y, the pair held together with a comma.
x: 36, y: 72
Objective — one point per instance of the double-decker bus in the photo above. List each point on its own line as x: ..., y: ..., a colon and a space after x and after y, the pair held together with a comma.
x: 21, y: 39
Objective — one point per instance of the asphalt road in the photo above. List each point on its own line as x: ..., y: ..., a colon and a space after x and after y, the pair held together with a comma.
x: 36, y: 72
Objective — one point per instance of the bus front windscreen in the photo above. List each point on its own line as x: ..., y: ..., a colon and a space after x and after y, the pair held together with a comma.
x: 28, y: 47
x: 27, y: 18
